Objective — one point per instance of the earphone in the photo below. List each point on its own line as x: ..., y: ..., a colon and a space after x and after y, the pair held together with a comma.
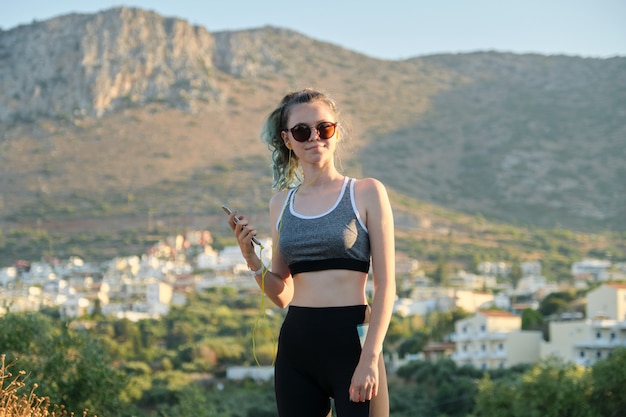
x: 262, y: 309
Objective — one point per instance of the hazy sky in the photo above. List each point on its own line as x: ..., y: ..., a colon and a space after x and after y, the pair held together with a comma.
x: 390, y: 29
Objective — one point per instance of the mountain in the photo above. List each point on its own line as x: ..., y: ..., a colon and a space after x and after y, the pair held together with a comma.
x: 126, y: 116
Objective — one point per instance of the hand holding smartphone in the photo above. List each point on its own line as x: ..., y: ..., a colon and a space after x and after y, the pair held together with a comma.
x: 229, y: 212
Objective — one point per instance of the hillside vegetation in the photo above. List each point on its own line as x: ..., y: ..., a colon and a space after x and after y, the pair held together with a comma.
x: 132, y: 123
x: 178, y: 366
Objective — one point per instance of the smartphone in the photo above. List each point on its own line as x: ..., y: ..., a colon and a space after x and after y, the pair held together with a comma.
x: 229, y: 212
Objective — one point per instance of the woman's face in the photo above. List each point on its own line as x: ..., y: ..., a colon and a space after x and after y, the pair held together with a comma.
x: 312, y: 115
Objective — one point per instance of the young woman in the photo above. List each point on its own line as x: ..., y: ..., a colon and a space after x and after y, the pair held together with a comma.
x: 326, y: 229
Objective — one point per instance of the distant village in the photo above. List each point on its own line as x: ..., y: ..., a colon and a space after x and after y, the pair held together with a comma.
x: 146, y: 286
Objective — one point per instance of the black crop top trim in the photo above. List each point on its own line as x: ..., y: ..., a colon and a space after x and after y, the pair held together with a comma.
x: 325, y: 264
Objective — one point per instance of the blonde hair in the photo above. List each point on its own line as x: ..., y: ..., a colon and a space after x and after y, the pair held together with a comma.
x: 285, y: 164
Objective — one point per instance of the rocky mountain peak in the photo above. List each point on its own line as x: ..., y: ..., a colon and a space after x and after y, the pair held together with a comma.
x: 80, y: 64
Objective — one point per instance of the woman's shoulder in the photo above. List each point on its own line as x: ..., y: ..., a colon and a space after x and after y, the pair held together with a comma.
x: 278, y: 200
x: 369, y: 186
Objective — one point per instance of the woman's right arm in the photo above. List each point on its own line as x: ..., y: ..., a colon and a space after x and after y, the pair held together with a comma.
x: 276, y: 282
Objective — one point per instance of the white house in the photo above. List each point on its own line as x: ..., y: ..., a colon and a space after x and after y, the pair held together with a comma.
x: 531, y: 269
x: 586, y: 341
x: 407, y: 307
x: 463, y: 279
x: 603, y: 337
x: 7, y: 275
x: 258, y: 373
x: 607, y: 301
x: 563, y: 336
x: 472, y: 301
x: 598, y: 269
x: 159, y: 297
x: 208, y: 258
x: 74, y: 307
x: 494, y: 269
x: 493, y: 339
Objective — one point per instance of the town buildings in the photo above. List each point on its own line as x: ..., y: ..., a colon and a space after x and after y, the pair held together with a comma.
x: 132, y: 287
x: 493, y: 339
x: 137, y: 287
x: 588, y: 340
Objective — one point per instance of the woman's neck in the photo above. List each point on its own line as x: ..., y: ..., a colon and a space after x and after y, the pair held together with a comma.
x: 320, y: 177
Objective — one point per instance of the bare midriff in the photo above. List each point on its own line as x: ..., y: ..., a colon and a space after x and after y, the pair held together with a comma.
x: 331, y: 288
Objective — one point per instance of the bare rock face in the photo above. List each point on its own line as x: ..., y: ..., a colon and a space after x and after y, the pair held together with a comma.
x: 87, y: 64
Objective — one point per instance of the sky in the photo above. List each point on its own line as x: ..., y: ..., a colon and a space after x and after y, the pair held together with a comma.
x: 390, y: 29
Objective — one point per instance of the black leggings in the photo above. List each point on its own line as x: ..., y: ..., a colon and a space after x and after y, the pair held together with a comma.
x: 318, y: 350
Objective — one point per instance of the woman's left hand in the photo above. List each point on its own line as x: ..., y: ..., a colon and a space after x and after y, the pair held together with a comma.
x: 364, y: 384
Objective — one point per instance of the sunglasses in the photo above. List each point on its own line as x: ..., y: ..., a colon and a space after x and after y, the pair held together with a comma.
x: 302, y: 132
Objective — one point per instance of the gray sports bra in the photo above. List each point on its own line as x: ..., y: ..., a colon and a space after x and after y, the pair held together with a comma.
x: 337, y: 239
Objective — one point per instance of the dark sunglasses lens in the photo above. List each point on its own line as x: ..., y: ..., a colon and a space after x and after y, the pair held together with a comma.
x: 301, y: 133
x: 327, y: 130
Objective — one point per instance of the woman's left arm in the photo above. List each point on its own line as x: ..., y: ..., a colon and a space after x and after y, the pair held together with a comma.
x: 373, y: 198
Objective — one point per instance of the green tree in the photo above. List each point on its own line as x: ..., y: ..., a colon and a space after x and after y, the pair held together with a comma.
x: 532, y: 320
x: 438, y: 388
x: 71, y: 368
x: 20, y: 333
x: 556, y: 302
x: 494, y: 398
x: 554, y: 388
x: 551, y: 388
x: 413, y: 344
x: 474, y: 262
x: 608, y: 397
x: 441, y: 323
x: 441, y: 270
x: 81, y: 371
x: 516, y: 273
x: 248, y: 400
